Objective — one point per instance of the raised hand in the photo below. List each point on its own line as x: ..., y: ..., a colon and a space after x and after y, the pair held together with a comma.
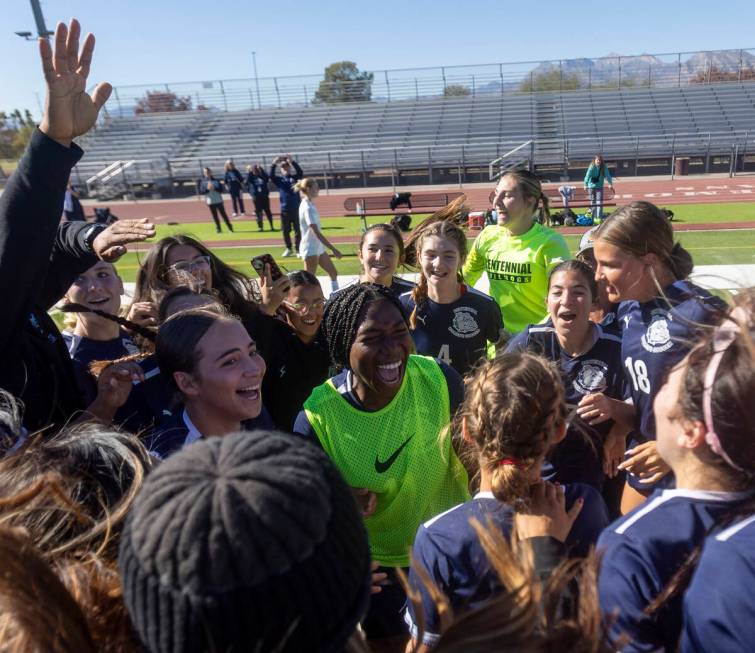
x: 546, y: 513
x: 69, y: 110
x: 110, y: 244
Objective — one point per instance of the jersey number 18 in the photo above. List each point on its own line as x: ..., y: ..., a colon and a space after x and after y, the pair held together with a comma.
x: 639, y: 373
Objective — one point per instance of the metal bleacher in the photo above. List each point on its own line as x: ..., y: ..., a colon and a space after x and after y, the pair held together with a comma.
x: 433, y: 133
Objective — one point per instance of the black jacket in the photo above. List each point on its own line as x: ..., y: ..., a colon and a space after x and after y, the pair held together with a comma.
x: 39, y: 260
x: 294, y: 369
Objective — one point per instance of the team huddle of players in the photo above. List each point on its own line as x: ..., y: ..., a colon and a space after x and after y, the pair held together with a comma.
x: 401, y: 466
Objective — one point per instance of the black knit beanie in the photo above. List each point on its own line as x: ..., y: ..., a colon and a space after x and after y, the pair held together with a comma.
x: 247, y: 542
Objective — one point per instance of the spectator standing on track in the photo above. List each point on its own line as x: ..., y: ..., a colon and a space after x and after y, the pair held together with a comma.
x: 257, y: 184
x: 596, y: 177
x: 234, y: 182
x: 212, y: 188
x: 290, y: 173
x: 71, y: 204
x: 314, y: 246
x: 518, y: 253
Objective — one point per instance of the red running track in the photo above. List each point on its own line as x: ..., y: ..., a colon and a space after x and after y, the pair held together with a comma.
x: 698, y: 190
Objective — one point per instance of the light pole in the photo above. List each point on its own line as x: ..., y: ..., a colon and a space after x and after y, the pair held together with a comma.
x: 39, y: 19
x: 256, y: 80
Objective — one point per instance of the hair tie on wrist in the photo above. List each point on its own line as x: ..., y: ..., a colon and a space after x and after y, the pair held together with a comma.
x: 512, y: 461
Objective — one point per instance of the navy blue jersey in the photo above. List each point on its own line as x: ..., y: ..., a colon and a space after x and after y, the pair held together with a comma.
x: 641, y: 553
x: 657, y: 335
x: 257, y: 185
x: 449, y: 550
x: 343, y: 382
x: 457, y: 333
x: 719, y: 606
x: 398, y: 287
x: 177, y: 431
x: 84, y: 351
x: 151, y: 401
x: 578, y: 457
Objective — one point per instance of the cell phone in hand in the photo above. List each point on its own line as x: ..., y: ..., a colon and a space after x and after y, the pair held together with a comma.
x: 259, y: 263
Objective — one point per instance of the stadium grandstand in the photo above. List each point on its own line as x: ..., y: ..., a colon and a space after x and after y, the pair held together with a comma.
x: 650, y: 114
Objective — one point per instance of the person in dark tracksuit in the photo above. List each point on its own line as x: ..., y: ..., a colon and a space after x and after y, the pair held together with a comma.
x: 257, y: 184
x: 213, y: 188
x: 71, y: 204
x: 234, y: 182
x: 290, y: 173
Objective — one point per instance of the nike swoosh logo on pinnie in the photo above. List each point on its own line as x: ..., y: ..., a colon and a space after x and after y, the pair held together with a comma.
x: 383, y: 466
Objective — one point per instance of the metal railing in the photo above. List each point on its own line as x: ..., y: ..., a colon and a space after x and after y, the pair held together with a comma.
x: 512, y: 159
x: 720, y: 152
x: 649, y: 71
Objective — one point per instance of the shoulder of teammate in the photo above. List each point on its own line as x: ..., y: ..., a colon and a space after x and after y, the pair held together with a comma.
x: 519, y: 342
x: 695, y: 304
x: 407, y: 301
x: 592, y: 519
x: 304, y: 429
x: 426, y: 556
x: 455, y: 384
x: 718, y: 613
x: 627, y: 583
x: 552, y: 247
x: 489, y: 310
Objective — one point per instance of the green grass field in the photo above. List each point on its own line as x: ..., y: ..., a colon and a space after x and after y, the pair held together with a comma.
x: 707, y: 247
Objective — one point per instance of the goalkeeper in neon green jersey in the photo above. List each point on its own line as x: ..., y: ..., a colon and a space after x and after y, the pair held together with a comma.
x: 518, y: 253
x: 383, y: 420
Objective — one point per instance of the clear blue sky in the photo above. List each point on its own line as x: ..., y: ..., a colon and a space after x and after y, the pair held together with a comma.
x: 144, y: 41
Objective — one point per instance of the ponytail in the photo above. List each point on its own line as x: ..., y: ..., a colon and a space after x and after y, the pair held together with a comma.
x: 511, y: 480
x: 419, y: 297
x: 512, y: 407
x: 680, y: 261
x: 544, y: 213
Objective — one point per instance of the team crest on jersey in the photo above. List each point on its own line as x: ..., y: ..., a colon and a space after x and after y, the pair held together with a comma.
x: 657, y: 338
x: 464, y: 323
x: 592, y: 377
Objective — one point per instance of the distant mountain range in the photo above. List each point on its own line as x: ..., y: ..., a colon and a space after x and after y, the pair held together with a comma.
x: 640, y: 70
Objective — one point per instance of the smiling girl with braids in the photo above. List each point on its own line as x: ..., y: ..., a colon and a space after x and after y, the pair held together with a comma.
x: 513, y: 412
x: 380, y: 420
x: 448, y: 319
x: 518, y: 253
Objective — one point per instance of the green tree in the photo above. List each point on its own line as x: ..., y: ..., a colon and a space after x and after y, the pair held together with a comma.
x: 456, y: 90
x: 15, y: 131
x: 344, y: 82
x: 552, y: 80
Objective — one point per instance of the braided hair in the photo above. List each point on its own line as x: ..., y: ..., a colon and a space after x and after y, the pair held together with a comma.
x: 512, y: 405
x: 344, y: 313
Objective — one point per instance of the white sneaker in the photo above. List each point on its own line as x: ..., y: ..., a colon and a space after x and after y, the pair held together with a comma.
x: 234, y: 215
x: 286, y: 253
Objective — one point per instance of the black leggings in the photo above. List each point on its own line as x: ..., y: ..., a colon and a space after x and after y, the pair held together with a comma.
x: 262, y: 205
x: 290, y: 219
x: 238, y: 201
x: 220, y: 208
